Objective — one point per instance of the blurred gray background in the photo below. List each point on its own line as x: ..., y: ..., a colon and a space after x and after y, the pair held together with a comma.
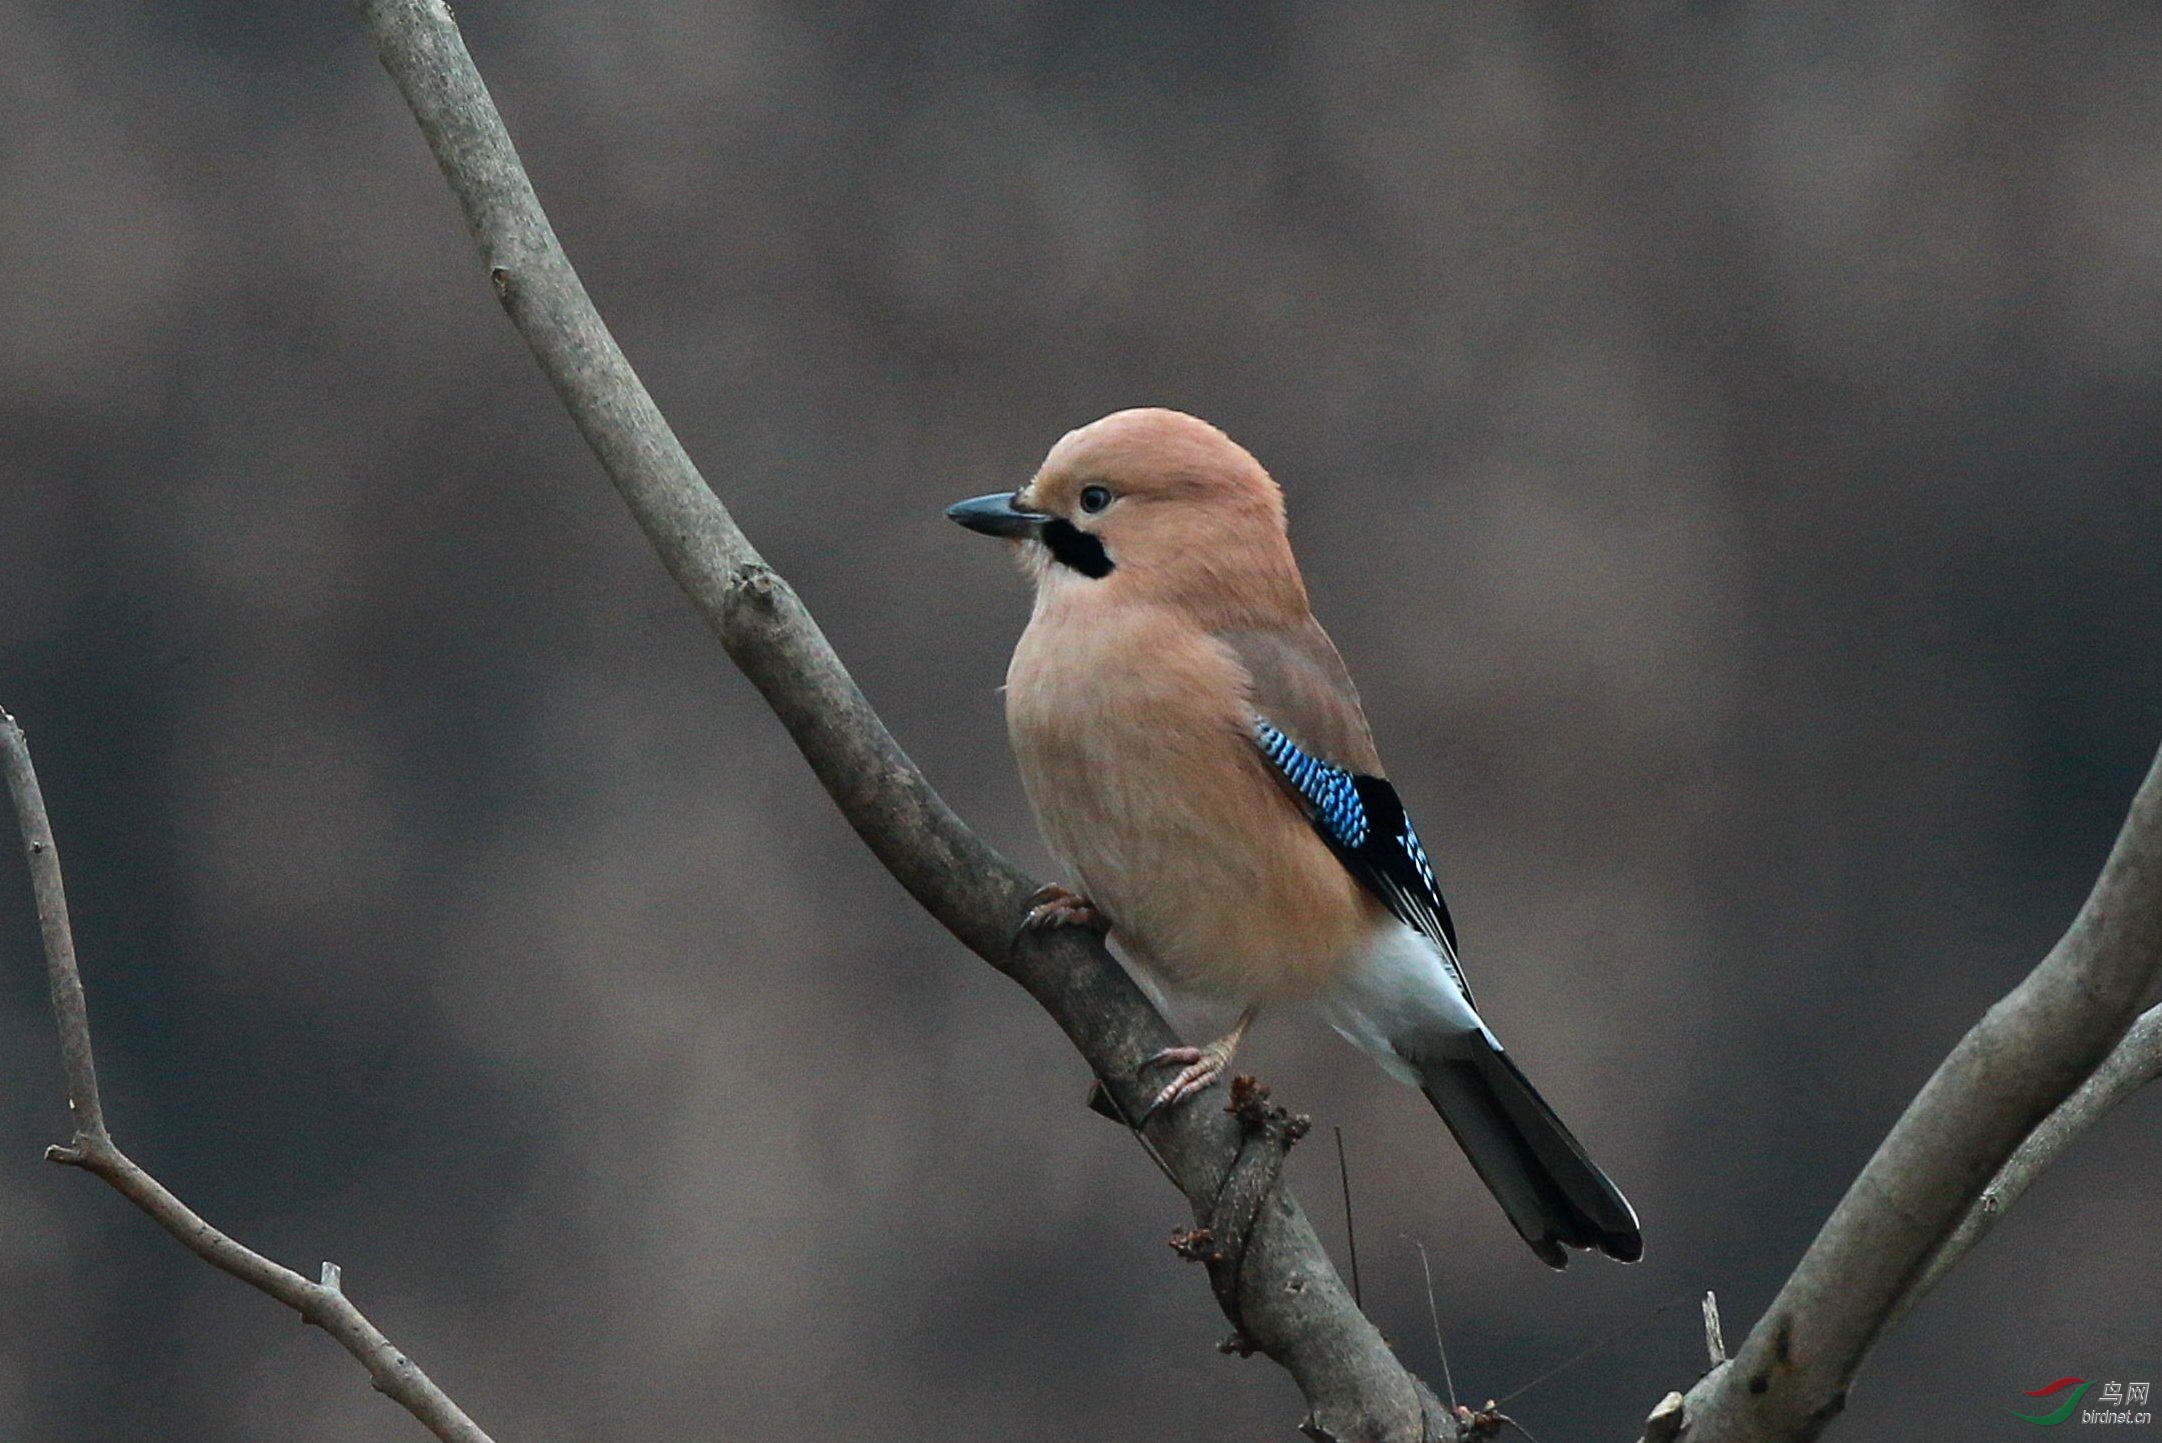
x: 1722, y: 438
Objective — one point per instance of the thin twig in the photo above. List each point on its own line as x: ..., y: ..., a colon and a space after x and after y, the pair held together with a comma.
x: 71, y: 1011
x: 1587, y: 1350
x: 1715, y: 1337
x: 1433, y: 1317
x: 1529, y: 1436
x: 1295, y: 1308
x: 93, y: 1149
x: 1351, y: 1230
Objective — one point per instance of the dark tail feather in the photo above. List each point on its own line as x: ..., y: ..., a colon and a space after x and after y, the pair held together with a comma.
x: 1550, y: 1188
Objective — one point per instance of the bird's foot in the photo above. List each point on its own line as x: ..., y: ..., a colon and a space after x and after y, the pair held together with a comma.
x: 1203, y: 1065
x: 1199, y: 1067
x: 1056, y: 906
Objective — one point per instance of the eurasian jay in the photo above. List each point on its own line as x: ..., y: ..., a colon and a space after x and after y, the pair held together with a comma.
x: 1197, y: 759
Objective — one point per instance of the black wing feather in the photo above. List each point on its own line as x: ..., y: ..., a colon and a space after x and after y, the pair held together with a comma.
x: 1364, y: 823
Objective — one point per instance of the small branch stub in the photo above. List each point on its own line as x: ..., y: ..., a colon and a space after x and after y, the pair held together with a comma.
x: 1715, y: 1338
x: 1196, y: 1245
x: 1665, y: 1423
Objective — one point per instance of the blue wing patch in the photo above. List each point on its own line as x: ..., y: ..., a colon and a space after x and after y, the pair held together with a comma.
x: 1366, y: 826
x: 1331, y: 796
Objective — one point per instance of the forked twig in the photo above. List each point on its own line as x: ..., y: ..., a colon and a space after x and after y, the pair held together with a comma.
x: 1938, y: 1178
x: 93, y: 1150
x: 2132, y: 1064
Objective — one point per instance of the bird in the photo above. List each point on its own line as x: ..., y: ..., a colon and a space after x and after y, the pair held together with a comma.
x: 1198, y: 763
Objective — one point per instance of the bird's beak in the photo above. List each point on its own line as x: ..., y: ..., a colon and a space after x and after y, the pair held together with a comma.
x: 999, y: 514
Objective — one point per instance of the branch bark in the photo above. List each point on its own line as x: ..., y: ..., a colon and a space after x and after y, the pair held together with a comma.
x: 2131, y: 1065
x: 92, y: 1149
x: 1979, y: 1120
x: 1285, y: 1297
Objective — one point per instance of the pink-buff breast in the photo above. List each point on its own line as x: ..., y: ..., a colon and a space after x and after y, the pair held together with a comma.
x: 1131, y: 730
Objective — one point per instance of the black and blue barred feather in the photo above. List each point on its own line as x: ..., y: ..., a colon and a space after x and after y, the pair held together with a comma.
x: 1364, y: 823
x: 1331, y: 793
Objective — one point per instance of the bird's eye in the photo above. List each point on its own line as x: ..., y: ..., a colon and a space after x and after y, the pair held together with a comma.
x: 1095, y: 498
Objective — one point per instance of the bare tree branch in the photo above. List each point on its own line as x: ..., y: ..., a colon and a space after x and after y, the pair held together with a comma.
x: 2010, y: 1072
x: 1274, y: 1279
x: 2131, y: 1065
x: 324, y: 1304
x: 63, y: 979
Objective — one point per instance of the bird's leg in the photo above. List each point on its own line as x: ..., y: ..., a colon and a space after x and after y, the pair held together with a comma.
x: 1056, y: 906
x: 1202, y: 1066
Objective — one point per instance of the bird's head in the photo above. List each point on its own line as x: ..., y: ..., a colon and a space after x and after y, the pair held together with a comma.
x: 1148, y: 504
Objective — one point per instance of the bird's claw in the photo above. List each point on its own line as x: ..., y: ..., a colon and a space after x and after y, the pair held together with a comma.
x: 1056, y: 906
x: 1199, y: 1067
